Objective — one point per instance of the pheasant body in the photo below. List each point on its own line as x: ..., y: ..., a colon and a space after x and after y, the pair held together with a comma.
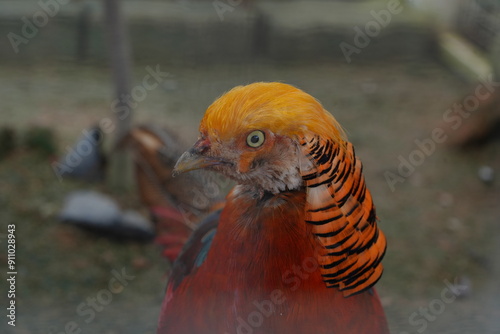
x: 296, y: 248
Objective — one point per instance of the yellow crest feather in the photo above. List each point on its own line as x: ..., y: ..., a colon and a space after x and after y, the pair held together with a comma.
x: 278, y: 107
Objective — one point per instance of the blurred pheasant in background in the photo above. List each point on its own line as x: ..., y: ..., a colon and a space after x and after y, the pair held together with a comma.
x: 176, y: 204
x: 296, y: 248
x: 475, y: 128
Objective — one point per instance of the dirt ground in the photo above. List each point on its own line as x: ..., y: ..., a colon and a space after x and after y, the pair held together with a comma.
x: 441, y: 221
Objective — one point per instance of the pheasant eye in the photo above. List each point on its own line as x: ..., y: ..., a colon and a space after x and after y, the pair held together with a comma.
x: 256, y: 138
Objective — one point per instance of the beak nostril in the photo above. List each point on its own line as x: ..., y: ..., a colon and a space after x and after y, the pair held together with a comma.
x: 198, y: 149
x: 201, y: 146
x: 196, y: 158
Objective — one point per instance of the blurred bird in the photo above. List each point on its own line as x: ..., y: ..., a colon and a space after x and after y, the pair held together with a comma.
x: 296, y: 248
x: 474, y: 128
x: 170, y: 201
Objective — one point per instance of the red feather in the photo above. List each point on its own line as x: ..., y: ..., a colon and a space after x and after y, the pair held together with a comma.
x: 261, y: 276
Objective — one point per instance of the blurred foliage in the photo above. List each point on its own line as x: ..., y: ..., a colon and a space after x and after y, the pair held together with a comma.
x: 40, y: 139
x: 7, y: 141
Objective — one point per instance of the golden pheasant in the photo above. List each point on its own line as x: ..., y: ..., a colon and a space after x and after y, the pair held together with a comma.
x: 296, y: 248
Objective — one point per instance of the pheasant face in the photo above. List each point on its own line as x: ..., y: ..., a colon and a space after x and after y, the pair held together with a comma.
x: 258, y: 159
x: 252, y: 136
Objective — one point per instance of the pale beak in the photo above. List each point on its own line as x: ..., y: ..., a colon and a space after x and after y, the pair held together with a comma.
x: 195, y: 158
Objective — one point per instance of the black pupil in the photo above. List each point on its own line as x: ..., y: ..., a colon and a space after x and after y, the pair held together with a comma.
x: 255, y: 139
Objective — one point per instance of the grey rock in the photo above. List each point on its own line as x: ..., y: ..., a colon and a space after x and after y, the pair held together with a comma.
x: 93, y: 208
x: 100, y: 213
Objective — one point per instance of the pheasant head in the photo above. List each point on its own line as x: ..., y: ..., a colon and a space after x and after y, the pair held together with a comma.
x: 252, y: 135
x: 273, y: 138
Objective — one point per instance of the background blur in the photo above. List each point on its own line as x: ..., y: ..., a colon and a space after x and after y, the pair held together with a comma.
x: 414, y: 83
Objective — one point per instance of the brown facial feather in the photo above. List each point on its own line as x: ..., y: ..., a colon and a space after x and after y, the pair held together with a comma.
x: 272, y: 167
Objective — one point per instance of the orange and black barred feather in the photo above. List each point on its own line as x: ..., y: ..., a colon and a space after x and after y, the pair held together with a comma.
x: 342, y: 215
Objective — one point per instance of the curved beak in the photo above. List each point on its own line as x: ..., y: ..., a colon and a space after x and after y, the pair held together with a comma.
x: 195, y: 158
